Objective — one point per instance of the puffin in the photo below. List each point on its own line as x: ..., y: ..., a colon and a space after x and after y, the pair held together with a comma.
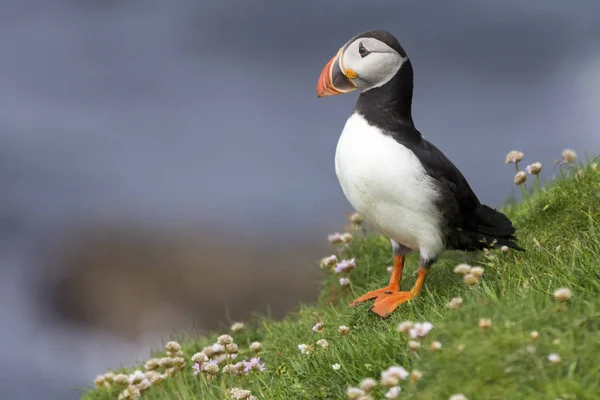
x: 401, y: 184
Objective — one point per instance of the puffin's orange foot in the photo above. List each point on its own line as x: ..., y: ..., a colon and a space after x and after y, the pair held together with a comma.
x: 386, y: 304
x: 386, y: 291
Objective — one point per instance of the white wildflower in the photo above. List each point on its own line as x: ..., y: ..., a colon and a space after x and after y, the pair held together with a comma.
x: 477, y: 272
x: 304, y: 349
x: 368, y: 384
x: 455, y: 303
x: 354, y: 392
x: 554, y: 358
x: 393, y: 393
x: 562, y: 294
x: 405, y: 327
x: 343, y: 330
x: 569, y: 156
x: 514, y: 156
x: 420, y: 329
x: 318, y: 327
x: 237, y: 327
x: 462, y: 269
x: 255, y: 346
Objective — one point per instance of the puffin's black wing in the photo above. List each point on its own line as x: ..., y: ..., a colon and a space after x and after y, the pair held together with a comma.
x: 469, y: 224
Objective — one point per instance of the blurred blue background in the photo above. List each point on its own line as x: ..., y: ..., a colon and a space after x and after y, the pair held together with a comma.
x: 167, y: 165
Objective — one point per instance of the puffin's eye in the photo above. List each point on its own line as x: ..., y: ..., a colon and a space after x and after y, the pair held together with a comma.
x: 362, y: 50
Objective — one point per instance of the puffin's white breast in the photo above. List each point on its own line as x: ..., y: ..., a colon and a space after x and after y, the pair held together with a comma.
x: 386, y: 183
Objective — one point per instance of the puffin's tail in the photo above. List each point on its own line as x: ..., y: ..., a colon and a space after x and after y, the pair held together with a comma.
x: 485, y: 228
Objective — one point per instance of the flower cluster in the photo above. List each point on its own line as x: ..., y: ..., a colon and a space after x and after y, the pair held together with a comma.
x: 319, y: 327
x: 241, y: 394
x: 339, y: 238
x: 208, y: 361
x: 471, y: 275
x: 156, y: 371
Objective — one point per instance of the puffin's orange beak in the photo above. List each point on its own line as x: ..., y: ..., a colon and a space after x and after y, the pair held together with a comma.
x: 333, y: 80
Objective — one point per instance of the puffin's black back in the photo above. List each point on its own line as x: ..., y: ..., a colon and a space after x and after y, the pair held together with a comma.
x: 470, y: 225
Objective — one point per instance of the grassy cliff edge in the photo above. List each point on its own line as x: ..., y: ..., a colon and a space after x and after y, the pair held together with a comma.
x: 512, y: 337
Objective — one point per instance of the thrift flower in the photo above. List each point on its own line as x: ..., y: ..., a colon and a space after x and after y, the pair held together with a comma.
x: 405, y: 327
x: 166, y: 362
x: 318, y: 327
x: 99, y: 381
x: 335, y: 238
x: 217, y: 348
x: 121, y: 379
x: 504, y: 249
x: 420, y: 329
x: 458, y: 396
x: 132, y: 392
x: 534, y: 169
x: 323, y: 343
x: 304, y: 349
x: 237, y: 327
x: 253, y: 365
x: 393, y: 393
x: 109, y: 377
x: 520, y: 178
x: 391, y: 376
x: 255, y: 346
x: 514, y: 157
x: 345, y: 266
x: 144, y: 385
x: 173, y: 347
x: 343, y: 330
x: 346, y: 237
x: 462, y: 269
x: 368, y: 384
x: 562, y: 294
x: 569, y: 156
x: 211, y: 369
x: 554, y: 358
x: 414, y: 345
x: 485, y: 323
x: 179, y: 361
x: 390, y: 270
x: 356, y: 219
x: 152, y: 364
x: 477, y: 272
x: 239, y: 394
x: 435, y: 345
x: 455, y: 303
x: 329, y: 262
x: 470, y: 279
x: 534, y: 335
x: 224, y: 340
x: 196, y: 367
x: 336, y: 366
x: 136, y: 377
x: 354, y: 392
x: 232, y: 348
x: 344, y: 282
x: 199, y: 358
x: 415, y: 375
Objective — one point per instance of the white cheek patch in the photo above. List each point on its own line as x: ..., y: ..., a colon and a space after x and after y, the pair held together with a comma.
x: 381, y: 70
x: 375, y: 69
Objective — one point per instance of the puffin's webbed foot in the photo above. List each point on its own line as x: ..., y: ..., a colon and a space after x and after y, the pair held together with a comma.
x: 391, y: 288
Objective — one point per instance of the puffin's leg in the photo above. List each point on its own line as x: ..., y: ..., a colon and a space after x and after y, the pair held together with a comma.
x: 394, y: 284
x: 386, y: 304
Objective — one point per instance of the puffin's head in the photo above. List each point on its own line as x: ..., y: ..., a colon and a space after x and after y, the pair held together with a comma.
x: 368, y: 60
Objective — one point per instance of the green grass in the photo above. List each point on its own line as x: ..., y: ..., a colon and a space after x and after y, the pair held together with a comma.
x: 502, y: 362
